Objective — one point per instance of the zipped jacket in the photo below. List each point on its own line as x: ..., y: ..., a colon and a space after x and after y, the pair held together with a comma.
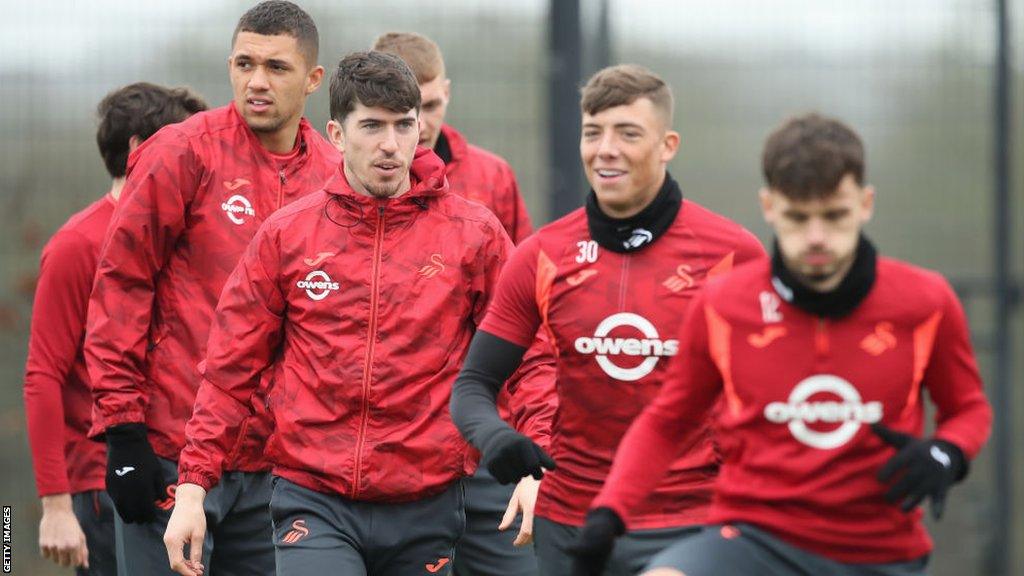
x: 364, y: 309
x: 196, y: 192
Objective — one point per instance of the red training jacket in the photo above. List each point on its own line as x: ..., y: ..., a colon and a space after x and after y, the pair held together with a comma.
x: 365, y: 308
x: 58, y: 404
x: 487, y: 178
x: 195, y: 195
x: 799, y: 458
x: 609, y: 316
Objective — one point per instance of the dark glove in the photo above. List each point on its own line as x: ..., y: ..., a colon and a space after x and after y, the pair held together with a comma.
x: 926, y: 467
x: 510, y: 456
x: 133, y: 473
x: 594, y: 545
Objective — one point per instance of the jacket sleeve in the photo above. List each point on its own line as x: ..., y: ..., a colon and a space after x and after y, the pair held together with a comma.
x: 163, y: 174
x: 491, y: 360
x: 964, y: 416
x: 654, y: 440
x: 493, y: 254
x: 58, y: 326
x: 532, y: 396
x: 244, y: 339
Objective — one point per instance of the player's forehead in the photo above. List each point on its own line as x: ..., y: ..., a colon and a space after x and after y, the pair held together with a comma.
x: 263, y: 47
x: 363, y: 113
x: 845, y: 196
x: 640, y: 113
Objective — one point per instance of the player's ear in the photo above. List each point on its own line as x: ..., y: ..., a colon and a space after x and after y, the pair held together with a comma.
x: 314, y: 79
x: 336, y: 134
x: 767, y: 200
x: 867, y: 202
x: 670, y: 145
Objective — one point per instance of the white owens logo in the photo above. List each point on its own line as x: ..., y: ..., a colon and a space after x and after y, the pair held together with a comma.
x: 317, y: 285
x: 123, y: 471
x: 770, y: 307
x: 849, y: 412
x: 651, y: 347
x: 237, y: 208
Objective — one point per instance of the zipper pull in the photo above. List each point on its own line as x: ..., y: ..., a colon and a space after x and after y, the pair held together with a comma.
x: 281, y: 176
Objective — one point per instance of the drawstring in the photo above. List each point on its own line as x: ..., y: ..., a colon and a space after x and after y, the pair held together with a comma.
x: 340, y: 200
x: 420, y: 203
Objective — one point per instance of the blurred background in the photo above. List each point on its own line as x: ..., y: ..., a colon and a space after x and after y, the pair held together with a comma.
x: 917, y: 78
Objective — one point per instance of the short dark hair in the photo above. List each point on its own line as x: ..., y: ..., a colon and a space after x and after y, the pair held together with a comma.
x: 622, y: 85
x: 140, y: 110
x: 419, y: 52
x: 373, y: 79
x: 807, y: 156
x: 277, y: 17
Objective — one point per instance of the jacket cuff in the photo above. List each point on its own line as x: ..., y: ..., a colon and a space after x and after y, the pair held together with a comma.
x: 198, y: 477
x: 99, y: 426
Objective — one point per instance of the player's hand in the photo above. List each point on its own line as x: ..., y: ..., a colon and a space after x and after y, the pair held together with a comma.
x: 522, y: 501
x: 187, y: 527
x: 594, y: 545
x: 133, y: 473
x: 60, y: 536
x: 921, y: 467
x: 511, y: 456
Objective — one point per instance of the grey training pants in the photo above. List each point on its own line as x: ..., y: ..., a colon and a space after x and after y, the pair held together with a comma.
x: 743, y: 549
x: 319, y: 534
x: 630, y: 555
x: 483, y: 550
x: 238, y: 530
x: 95, y: 513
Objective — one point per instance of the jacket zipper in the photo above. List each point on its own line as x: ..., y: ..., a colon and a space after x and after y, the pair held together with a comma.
x: 371, y: 340
x: 624, y: 281
x: 821, y: 337
x: 280, y: 189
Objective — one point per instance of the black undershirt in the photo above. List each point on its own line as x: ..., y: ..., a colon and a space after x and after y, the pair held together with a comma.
x: 443, y: 149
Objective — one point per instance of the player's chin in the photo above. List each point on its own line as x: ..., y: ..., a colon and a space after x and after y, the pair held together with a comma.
x: 262, y: 123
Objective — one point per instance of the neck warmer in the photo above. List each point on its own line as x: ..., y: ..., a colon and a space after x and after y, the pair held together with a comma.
x: 836, y: 303
x: 638, y: 231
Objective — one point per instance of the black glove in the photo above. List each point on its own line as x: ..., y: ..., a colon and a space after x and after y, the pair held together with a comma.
x: 133, y: 473
x: 510, y: 456
x: 929, y: 468
x: 593, y: 547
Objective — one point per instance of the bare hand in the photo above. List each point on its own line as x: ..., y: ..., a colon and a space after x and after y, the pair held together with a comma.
x: 522, y: 501
x: 187, y: 526
x: 60, y: 536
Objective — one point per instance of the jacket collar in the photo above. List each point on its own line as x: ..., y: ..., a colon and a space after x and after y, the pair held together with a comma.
x: 640, y: 230
x: 840, y: 301
x: 451, y: 146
